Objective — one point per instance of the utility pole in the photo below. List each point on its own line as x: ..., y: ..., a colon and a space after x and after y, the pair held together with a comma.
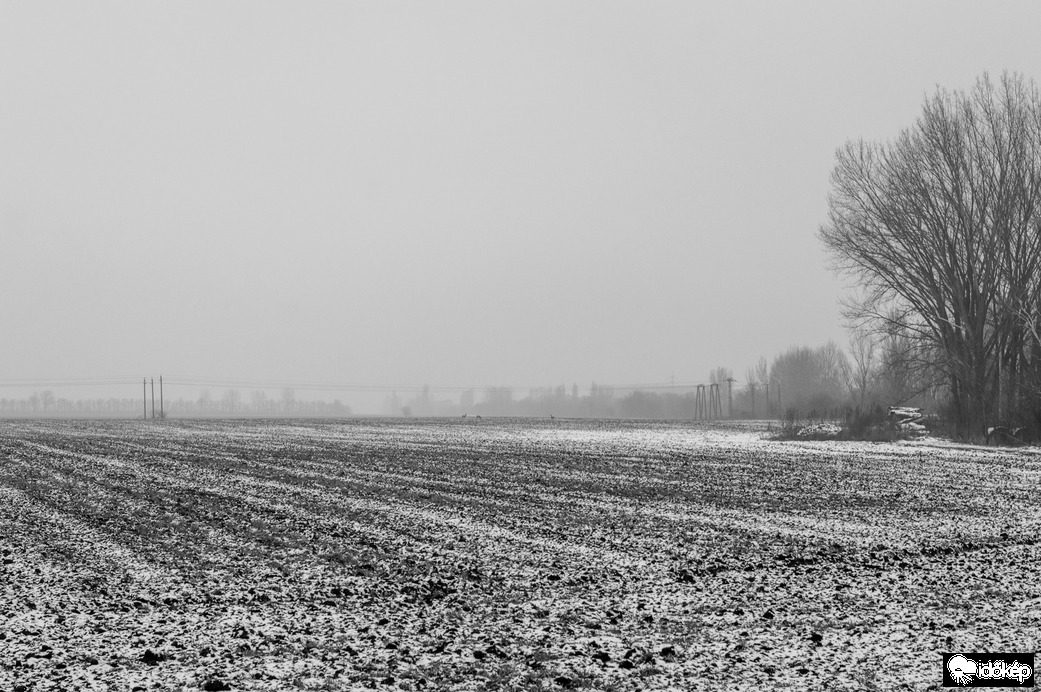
x: 730, y: 397
x: 162, y: 410
x: 144, y: 397
x: 153, y: 398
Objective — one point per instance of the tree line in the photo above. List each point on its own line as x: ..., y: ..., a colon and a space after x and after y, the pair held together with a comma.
x: 829, y: 382
x: 231, y: 403
x: 818, y: 382
x: 873, y: 372
x: 47, y: 404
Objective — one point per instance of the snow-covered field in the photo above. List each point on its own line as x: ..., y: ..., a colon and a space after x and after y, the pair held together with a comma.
x: 503, y: 554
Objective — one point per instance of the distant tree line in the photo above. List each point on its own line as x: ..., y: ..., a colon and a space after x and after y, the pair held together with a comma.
x: 46, y: 404
x: 258, y: 404
x: 813, y: 382
x: 826, y: 382
x: 231, y: 403
x: 598, y: 401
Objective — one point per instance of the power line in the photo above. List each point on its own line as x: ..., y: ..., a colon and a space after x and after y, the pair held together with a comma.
x: 68, y: 382
x: 354, y: 386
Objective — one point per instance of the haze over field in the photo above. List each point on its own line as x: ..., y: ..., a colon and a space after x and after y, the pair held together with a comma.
x: 457, y: 195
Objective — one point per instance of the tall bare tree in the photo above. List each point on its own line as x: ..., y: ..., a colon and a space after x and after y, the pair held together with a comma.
x: 940, y: 227
x: 231, y: 399
x: 812, y: 378
x: 258, y: 399
x: 719, y: 375
x: 762, y: 370
x: 861, y: 368
x: 288, y: 401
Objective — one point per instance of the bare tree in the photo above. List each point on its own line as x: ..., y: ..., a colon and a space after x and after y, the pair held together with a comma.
x: 258, y: 399
x: 724, y: 378
x: 288, y: 397
x: 861, y: 369
x: 231, y: 400
x: 812, y: 378
x: 751, y: 386
x: 940, y: 229
x: 720, y: 375
x: 762, y: 371
x: 831, y: 364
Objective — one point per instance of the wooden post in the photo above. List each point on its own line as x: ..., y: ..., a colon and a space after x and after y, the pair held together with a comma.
x: 162, y: 411
x: 144, y: 397
x: 153, y: 398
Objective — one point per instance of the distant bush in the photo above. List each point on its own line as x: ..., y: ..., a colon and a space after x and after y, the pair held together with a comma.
x: 854, y: 424
x: 871, y: 424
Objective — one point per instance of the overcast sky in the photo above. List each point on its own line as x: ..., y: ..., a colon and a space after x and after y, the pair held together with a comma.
x: 453, y: 194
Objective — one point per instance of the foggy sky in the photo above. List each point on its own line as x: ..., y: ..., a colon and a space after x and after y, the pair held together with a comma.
x: 445, y: 193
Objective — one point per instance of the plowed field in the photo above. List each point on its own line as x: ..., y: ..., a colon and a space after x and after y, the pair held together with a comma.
x: 503, y: 554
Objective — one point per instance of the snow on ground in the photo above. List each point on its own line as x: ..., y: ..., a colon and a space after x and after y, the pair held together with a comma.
x: 503, y: 554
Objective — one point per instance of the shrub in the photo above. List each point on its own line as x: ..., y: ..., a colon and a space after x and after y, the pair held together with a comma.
x: 791, y: 424
x: 871, y: 424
